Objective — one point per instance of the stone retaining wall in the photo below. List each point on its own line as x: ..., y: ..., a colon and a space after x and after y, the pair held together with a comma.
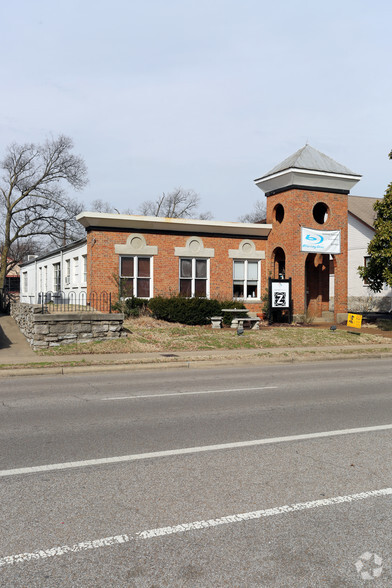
x: 51, y: 330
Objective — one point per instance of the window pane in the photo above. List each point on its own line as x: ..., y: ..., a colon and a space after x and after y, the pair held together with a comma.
x: 238, y: 290
x: 126, y: 287
x: 200, y: 288
x: 144, y: 267
x: 239, y: 270
x: 185, y: 288
x: 252, y: 270
x: 143, y: 288
x: 127, y: 266
x: 201, y: 268
x: 186, y: 268
x: 251, y: 290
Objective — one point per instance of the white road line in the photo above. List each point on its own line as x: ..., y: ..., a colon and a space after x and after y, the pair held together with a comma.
x: 187, y: 450
x: 184, y: 527
x: 190, y: 393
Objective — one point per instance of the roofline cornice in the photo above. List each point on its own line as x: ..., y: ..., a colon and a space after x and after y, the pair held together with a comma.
x: 307, y: 172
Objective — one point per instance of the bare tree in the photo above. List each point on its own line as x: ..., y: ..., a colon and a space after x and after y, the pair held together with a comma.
x: 32, y: 197
x: 105, y: 207
x: 179, y: 203
x: 257, y: 215
x: 20, y: 250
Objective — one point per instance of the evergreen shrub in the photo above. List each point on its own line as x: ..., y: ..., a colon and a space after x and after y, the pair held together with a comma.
x: 188, y: 311
x: 131, y: 307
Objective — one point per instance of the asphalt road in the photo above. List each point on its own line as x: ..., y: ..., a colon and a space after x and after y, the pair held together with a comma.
x: 277, y: 476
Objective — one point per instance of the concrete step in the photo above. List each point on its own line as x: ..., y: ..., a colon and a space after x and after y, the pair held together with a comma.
x: 326, y: 317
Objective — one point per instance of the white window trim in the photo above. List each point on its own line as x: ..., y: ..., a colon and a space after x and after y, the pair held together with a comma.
x: 75, y: 276
x: 193, y: 278
x: 54, y: 265
x: 151, y: 258
x: 83, y: 273
x: 245, y: 298
x: 45, y: 279
x: 25, y: 283
x: 67, y: 273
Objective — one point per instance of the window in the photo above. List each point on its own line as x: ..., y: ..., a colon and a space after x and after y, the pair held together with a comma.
x: 45, y: 279
x: 56, y: 277
x: 75, y: 273
x: 279, y: 213
x: 84, y: 268
x: 25, y: 282
x: 194, y: 277
x: 40, y: 279
x: 246, y: 282
x: 320, y: 213
x: 135, y: 276
x: 366, y: 260
x: 67, y: 277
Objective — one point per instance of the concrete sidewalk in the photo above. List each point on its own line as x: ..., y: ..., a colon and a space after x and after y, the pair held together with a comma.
x: 17, y: 358
x: 13, y: 345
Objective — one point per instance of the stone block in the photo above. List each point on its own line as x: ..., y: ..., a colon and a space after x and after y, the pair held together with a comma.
x: 58, y: 328
x: 114, y: 328
x: 100, y: 328
x: 41, y: 329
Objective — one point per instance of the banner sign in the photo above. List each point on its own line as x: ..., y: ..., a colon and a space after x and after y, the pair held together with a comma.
x: 316, y: 241
x: 280, y: 294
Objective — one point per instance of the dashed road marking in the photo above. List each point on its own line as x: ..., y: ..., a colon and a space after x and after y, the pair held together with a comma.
x: 60, y: 550
x: 164, y: 395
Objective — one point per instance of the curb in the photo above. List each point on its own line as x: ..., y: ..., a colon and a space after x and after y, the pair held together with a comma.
x: 185, y: 364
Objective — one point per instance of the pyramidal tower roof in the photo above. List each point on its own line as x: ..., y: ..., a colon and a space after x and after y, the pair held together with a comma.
x: 308, y: 168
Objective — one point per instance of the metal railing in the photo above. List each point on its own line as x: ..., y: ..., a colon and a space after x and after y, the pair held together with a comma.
x: 75, y: 301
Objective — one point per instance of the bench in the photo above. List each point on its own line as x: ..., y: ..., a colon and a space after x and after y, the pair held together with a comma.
x: 239, y: 322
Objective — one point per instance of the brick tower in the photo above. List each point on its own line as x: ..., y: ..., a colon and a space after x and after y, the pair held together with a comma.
x: 307, y: 206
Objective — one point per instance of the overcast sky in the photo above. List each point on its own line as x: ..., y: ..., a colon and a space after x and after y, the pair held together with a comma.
x: 203, y: 94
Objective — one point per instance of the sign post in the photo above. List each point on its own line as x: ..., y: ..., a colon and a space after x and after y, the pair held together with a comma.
x: 279, y: 296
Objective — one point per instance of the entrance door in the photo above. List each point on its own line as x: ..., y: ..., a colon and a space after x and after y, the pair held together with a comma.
x: 316, y: 284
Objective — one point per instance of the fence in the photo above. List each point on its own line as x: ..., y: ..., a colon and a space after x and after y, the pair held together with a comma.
x: 75, y: 302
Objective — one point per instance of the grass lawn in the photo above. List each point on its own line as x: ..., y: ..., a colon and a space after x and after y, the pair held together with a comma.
x: 147, y: 335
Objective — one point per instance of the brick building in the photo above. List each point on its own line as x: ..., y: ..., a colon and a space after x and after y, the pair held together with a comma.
x: 305, y: 236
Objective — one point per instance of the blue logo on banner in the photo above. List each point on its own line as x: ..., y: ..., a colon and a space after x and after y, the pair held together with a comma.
x: 316, y: 238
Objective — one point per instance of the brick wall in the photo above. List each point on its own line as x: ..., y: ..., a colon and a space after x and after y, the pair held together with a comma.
x: 298, y: 211
x: 103, y: 262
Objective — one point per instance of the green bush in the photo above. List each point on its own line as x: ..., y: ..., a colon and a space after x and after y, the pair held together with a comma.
x: 385, y: 324
x: 131, y: 306
x: 188, y: 311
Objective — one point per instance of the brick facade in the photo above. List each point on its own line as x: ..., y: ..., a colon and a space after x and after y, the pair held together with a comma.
x: 309, y: 272
x: 103, y: 261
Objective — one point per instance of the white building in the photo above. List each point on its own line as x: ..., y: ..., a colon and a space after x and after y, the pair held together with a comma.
x: 361, y: 216
x: 63, y: 270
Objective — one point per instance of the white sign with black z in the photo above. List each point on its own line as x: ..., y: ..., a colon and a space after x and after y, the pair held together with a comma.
x: 280, y: 294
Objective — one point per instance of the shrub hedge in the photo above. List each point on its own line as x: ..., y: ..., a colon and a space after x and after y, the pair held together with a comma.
x: 131, y: 306
x: 190, y: 311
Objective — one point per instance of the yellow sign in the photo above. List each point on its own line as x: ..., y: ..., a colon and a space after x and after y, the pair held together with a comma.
x: 354, y: 320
